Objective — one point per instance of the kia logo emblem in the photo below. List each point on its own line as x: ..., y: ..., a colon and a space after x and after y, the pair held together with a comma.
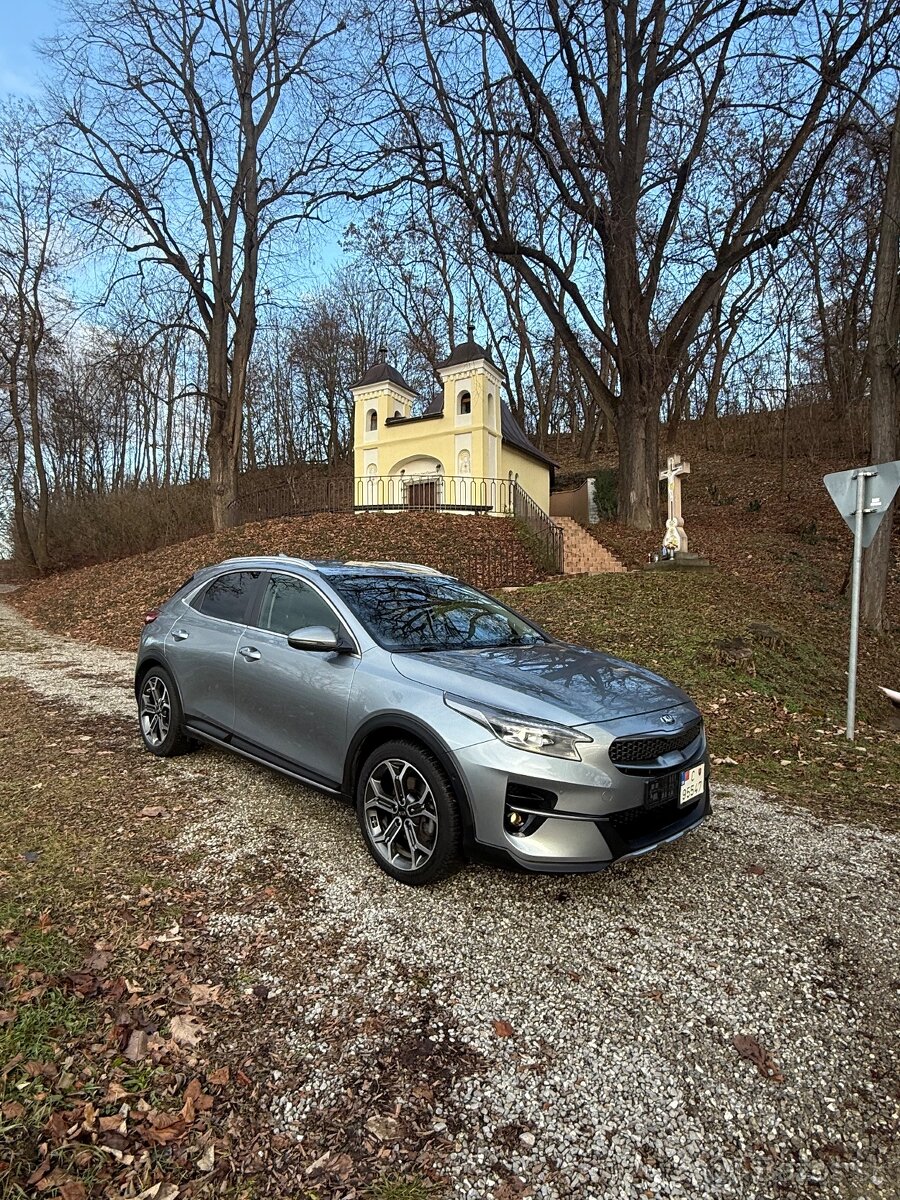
x: 667, y: 720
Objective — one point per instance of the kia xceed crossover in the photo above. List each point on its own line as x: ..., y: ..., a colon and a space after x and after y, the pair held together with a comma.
x: 449, y: 720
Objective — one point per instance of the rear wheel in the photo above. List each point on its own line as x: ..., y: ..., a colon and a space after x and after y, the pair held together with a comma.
x: 159, y: 714
x: 408, y: 814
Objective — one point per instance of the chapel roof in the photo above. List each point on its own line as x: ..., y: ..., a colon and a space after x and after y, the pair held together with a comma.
x: 467, y: 351
x: 381, y: 371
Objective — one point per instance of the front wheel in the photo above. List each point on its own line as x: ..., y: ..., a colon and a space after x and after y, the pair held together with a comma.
x: 408, y: 814
x: 160, y: 715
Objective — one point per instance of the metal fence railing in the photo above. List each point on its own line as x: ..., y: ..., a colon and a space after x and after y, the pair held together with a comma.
x: 298, y: 496
x: 305, y: 495
x: 445, y: 493
x: 544, y: 534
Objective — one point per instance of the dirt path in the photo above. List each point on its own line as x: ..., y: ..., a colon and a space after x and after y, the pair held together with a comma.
x: 561, y: 1037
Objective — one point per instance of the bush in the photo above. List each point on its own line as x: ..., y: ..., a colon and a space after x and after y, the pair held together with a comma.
x: 98, y: 528
x: 606, y: 493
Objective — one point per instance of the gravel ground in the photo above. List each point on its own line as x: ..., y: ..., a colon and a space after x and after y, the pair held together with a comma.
x: 584, y: 1028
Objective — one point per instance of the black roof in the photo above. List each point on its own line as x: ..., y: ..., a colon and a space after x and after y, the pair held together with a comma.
x: 467, y: 351
x: 510, y: 429
x: 383, y: 372
x: 513, y: 433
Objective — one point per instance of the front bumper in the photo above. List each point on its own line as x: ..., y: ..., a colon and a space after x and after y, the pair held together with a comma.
x: 579, y: 816
x: 618, y: 848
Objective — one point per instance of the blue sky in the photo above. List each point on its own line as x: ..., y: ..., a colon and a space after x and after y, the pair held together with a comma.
x: 22, y: 22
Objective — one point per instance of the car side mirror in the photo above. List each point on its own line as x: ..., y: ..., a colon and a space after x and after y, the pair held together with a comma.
x: 316, y: 637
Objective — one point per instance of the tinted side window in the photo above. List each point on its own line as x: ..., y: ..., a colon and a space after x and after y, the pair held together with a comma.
x: 290, y: 604
x: 229, y: 596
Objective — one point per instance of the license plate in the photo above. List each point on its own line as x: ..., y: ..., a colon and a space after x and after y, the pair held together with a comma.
x: 691, y: 784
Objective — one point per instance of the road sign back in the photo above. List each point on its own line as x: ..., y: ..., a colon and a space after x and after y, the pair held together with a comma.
x: 882, y: 482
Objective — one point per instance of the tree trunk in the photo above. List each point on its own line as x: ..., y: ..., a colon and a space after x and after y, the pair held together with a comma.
x: 883, y: 339
x: 41, y: 539
x: 637, y: 429
x: 223, y: 471
x: 785, y: 415
x: 23, y: 536
x: 222, y: 447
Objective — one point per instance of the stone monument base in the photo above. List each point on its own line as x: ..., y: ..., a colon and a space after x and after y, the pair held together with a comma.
x: 681, y: 560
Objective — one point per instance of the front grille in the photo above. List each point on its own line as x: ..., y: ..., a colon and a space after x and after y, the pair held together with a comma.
x: 633, y: 750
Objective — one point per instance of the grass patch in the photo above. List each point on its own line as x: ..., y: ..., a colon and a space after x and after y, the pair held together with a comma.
x: 400, y: 1187
x: 24, y: 943
x: 85, y: 884
x: 43, y: 1027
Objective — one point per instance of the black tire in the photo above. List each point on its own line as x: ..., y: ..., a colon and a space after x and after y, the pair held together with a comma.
x: 432, y: 812
x: 156, y: 692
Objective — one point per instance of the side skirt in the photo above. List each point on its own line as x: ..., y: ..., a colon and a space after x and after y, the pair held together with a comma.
x: 264, y: 760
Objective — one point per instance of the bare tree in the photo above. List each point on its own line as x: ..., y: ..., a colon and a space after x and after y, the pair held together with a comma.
x: 884, y: 372
x: 685, y: 138
x: 29, y: 241
x: 202, y: 131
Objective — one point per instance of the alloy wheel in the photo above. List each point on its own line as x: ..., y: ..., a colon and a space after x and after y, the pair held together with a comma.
x: 155, y: 710
x: 400, y: 814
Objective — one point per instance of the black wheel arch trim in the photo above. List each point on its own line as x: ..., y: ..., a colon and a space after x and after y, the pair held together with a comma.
x: 154, y: 660
x: 403, y: 723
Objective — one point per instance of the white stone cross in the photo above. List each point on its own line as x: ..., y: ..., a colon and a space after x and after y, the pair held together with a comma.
x: 675, y: 537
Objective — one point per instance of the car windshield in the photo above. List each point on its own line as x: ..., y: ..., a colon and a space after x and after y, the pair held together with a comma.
x: 415, y: 613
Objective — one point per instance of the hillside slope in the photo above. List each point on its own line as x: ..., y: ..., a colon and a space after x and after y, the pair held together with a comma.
x: 106, y: 602
x: 735, y: 513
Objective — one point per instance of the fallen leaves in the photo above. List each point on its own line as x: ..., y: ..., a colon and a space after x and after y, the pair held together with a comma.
x: 503, y: 1029
x: 150, y: 811
x: 754, y: 1052
x: 99, y: 602
x: 73, y: 1189
x: 186, y: 1030
x: 207, y: 1159
x: 138, y: 1046
x: 386, y: 1129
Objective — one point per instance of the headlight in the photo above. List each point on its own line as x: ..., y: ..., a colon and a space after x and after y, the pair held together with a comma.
x: 523, y: 733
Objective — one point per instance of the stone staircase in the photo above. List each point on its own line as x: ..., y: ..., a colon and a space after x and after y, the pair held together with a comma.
x: 582, y: 554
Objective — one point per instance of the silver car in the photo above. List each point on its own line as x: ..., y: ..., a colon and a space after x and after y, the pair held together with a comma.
x: 450, y: 721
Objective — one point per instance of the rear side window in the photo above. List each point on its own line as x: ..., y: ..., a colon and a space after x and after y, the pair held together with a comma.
x: 289, y: 604
x: 228, y: 597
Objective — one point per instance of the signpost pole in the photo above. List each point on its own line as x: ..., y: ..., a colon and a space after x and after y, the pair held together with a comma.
x: 861, y: 477
x: 863, y: 514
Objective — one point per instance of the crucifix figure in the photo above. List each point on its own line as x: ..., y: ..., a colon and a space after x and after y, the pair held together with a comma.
x: 675, y: 538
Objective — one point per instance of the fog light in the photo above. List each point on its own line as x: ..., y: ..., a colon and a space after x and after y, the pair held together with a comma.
x: 516, y: 820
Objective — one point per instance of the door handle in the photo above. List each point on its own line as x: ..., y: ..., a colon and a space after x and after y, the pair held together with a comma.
x: 249, y: 653
x: 178, y: 635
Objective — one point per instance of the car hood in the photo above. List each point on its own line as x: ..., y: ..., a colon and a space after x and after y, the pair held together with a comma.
x: 555, y: 681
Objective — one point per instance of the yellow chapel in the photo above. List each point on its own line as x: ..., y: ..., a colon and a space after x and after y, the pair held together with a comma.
x: 465, y: 452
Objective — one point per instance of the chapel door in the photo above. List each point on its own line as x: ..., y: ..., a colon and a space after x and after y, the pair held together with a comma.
x: 422, y: 495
